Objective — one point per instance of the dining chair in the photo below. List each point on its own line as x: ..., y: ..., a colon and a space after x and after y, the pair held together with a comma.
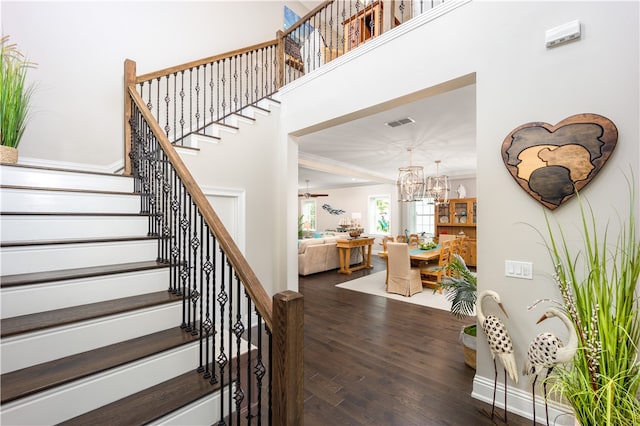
x: 402, y: 278
x: 431, y: 274
x: 385, y: 240
x: 414, y: 239
x: 401, y: 239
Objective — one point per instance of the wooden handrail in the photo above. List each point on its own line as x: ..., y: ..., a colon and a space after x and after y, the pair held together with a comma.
x: 251, y: 283
x: 199, y: 62
x: 306, y: 17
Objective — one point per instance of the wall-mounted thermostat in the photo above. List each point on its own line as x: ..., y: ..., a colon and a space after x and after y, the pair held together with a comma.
x: 563, y: 33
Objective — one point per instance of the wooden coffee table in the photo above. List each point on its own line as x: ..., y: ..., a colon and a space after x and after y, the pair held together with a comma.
x: 344, y: 251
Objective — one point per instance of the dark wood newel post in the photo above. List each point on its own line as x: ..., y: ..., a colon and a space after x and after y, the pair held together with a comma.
x: 288, y: 360
x: 281, y: 59
x: 129, y: 80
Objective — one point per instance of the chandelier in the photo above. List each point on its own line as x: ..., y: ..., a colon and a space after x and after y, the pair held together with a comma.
x: 438, y: 187
x: 410, y: 183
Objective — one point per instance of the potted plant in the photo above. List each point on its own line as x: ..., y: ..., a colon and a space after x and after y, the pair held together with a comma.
x: 598, y: 288
x: 15, y: 96
x: 461, y: 289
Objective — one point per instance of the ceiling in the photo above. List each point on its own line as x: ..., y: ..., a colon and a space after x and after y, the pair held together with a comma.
x: 366, y: 151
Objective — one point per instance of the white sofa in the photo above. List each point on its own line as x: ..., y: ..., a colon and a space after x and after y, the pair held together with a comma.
x: 321, y: 254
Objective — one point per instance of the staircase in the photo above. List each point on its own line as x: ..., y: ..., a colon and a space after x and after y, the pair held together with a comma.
x: 89, y: 332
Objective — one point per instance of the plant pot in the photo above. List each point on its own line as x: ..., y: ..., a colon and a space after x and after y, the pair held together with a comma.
x: 469, y: 347
x: 8, y: 155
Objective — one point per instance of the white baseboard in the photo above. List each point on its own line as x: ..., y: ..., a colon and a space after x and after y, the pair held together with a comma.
x: 519, y: 402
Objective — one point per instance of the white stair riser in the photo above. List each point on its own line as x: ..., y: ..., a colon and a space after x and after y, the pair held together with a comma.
x: 199, y: 413
x: 46, y: 345
x: 71, y: 400
x: 31, y: 228
x: 25, y: 176
x: 19, y: 260
x: 24, y: 300
x: 20, y: 200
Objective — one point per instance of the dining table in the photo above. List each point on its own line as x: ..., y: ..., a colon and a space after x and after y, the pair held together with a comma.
x: 416, y: 255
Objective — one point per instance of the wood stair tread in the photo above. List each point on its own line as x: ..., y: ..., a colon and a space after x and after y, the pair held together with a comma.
x: 42, y: 320
x: 110, y: 214
x: 76, y: 241
x: 65, y: 170
x: 149, y: 404
x: 37, y: 378
x: 76, y: 273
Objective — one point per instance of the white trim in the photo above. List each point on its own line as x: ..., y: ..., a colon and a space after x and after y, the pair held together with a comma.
x: 240, y: 213
x: 518, y: 401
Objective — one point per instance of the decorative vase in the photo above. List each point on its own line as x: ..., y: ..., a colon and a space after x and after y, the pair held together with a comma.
x: 8, y: 155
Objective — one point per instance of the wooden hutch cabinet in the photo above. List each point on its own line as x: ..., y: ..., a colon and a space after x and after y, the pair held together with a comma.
x: 459, y: 217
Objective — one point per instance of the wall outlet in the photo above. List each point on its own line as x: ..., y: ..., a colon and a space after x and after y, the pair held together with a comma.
x: 517, y: 269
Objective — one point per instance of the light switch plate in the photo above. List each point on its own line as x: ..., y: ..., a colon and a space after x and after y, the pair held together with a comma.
x: 516, y: 269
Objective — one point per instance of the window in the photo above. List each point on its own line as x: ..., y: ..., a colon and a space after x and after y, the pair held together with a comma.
x: 425, y: 216
x: 380, y: 214
x: 308, y: 209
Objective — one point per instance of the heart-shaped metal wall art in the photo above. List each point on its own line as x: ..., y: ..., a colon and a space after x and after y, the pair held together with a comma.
x: 552, y: 162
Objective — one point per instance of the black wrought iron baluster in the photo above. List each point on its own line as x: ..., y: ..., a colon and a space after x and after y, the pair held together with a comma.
x: 218, y: 91
x: 167, y: 102
x: 214, y: 289
x: 175, y: 107
x: 188, y: 259
x: 236, y: 83
x: 182, y: 95
x: 206, y: 323
x: 246, y: 93
x: 259, y: 369
x: 212, y: 108
x: 230, y: 336
x: 344, y: 41
x: 249, y: 359
x: 238, y: 331
x: 197, y: 101
x: 184, y: 252
x: 224, y: 89
x: 270, y: 367
x: 222, y: 357
x: 194, y: 244
x: 166, y: 210
x: 174, y: 281
x: 256, y: 68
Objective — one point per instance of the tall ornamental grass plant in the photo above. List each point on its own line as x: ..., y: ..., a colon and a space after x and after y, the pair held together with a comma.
x: 598, y: 287
x: 15, y: 95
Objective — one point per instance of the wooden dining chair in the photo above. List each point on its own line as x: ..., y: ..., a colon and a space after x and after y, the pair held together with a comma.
x: 385, y: 240
x: 401, y: 239
x: 431, y: 275
x: 414, y: 239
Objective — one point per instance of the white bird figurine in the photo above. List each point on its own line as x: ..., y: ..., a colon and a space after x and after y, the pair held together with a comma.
x: 547, y: 351
x: 500, y: 345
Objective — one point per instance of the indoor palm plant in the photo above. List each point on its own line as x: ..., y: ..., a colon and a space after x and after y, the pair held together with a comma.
x: 15, y: 96
x: 598, y: 288
x: 461, y: 288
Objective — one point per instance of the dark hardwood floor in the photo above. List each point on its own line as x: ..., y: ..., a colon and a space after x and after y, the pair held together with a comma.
x: 369, y: 360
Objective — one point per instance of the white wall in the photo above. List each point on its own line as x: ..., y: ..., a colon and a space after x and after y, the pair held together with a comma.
x: 518, y: 81
x: 244, y: 163
x: 80, y: 48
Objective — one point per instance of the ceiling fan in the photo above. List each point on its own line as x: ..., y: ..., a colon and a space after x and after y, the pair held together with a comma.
x: 309, y: 195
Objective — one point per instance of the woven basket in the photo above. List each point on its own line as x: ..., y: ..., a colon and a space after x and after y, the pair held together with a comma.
x: 8, y: 155
x: 470, y: 357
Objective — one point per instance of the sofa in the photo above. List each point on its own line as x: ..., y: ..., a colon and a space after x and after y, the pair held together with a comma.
x: 321, y: 254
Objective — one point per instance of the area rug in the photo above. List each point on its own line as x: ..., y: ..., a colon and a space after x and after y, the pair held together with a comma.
x: 374, y: 284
